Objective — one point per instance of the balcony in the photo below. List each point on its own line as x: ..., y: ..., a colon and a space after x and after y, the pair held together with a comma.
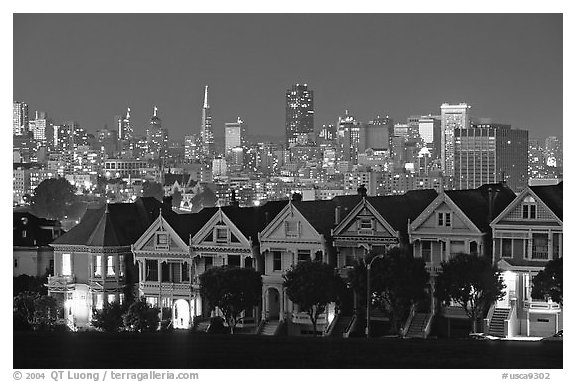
x: 542, y: 305
x: 304, y: 318
x: 156, y: 287
x: 433, y: 269
x: 60, y: 283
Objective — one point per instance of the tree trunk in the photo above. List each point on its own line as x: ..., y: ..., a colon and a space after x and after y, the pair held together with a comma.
x: 474, y: 321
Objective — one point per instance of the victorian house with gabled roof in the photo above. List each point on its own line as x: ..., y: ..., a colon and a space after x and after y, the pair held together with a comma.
x: 456, y: 221
x: 526, y: 236
x: 93, y: 261
x: 177, y: 249
x: 375, y: 224
x: 300, y: 232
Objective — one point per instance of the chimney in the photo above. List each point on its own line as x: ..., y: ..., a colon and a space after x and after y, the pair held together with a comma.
x: 167, y: 203
x: 362, y: 191
x: 490, y: 204
x: 337, y: 214
x: 296, y: 197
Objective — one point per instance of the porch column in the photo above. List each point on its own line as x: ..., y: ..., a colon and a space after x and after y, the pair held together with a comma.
x: 560, y: 244
x: 550, y: 246
x: 264, y: 305
x: 159, y: 266
x: 282, y: 302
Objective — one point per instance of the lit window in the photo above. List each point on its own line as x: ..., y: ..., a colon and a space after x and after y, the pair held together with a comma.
x: 98, y: 266
x: 111, y: 298
x: 66, y: 264
x: 110, y: 266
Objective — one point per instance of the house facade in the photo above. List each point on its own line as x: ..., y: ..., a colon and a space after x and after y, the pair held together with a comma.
x: 175, y: 250
x: 526, y: 236
x: 300, y: 232
x: 456, y: 222
x: 93, y: 261
x: 30, y: 242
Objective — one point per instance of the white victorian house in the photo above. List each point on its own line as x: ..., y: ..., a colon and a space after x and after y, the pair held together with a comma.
x: 527, y: 235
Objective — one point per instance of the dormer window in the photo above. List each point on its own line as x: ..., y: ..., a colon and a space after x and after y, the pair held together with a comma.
x: 162, y: 241
x: 291, y: 228
x: 221, y: 235
x: 365, y: 225
x: 528, y: 211
x: 444, y: 219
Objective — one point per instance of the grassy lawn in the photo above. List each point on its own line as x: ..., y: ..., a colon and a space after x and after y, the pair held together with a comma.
x: 202, y: 351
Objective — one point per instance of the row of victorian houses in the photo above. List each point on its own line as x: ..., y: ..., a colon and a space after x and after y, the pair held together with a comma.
x: 162, y: 253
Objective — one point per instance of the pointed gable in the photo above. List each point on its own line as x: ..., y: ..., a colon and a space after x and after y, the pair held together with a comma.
x: 291, y: 224
x: 535, y: 205
x: 364, y: 219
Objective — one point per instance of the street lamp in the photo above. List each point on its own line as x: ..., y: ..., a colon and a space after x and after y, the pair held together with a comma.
x: 368, y: 267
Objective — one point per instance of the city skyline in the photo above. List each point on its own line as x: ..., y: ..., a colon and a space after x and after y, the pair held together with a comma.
x: 375, y: 70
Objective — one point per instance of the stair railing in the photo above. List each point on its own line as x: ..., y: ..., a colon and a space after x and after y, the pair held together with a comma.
x: 510, y: 321
x: 261, y: 326
x: 350, y: 326
x: 408, y: 322
x: 488, y: 318
x: 330, y: 328
x: 428, y: 326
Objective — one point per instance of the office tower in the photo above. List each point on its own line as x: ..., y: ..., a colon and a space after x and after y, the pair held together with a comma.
x: 235, y: 135
x: 553, y: 151
x: 430, y: 130
x: 192, y: 148
x: 327, y: 133
x: 125, y: 131
x: 452, y: 117
x: 376, y: 134
x: 206, y: 131
x: 490, y: 153
x: 40, y: 127
x: 299, y: 113
x: 348, y: 137
x: 20, y: 118
x: 107, y: 141
x: 157, y: 137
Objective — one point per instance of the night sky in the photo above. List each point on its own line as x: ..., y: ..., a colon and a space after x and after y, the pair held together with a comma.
x: 89, y: 68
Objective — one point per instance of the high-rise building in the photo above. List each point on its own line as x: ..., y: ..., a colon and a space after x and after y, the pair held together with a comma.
x: 452, y: 117
x: 206, y: 131
x: 299, y: 113
x: 107, y: 142
x: 40, y: 127
x: 125, y: 131
x: 192, y: 148
x: 235, y: 135
x: 376, y: 134
x: 553, y: 151
x: 348, y: 137
x: 157, y: 137
x: 490, y: 153
x: 429, y: 127
x: 20, y: 118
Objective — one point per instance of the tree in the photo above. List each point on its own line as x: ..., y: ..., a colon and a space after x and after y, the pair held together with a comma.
x: 548, y: 282
x: 35, y: 310
x: 109, y: 318
x: 472, y: 282
x: 153, y: 189
x: 312, y: 285
x: 397, y: 281
x: 25, y: 283
x: 232, y: 290
x: 51, y: 198
x: 141, y: 317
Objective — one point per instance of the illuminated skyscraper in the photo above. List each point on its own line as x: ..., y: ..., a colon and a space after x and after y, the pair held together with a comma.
x: 125, y: 131
x: 157, y: 137
x: 348, y: 137
x: 20, y: 118
x: 235, y: 135
x: 206, y: 132
x: 452, y: 117
x: 490, y: 153
x: 299, y: 113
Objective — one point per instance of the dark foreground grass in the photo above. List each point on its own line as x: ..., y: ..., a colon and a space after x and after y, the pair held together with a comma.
x: 202, y: 351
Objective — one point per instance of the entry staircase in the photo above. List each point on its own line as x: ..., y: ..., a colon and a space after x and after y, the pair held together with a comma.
x: 417, y: 328
x: 269, y: 328
x: 496, y: 327
x: 340, y: 326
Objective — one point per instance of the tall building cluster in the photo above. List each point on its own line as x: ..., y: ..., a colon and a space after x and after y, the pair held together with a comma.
x: 447, y: 149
